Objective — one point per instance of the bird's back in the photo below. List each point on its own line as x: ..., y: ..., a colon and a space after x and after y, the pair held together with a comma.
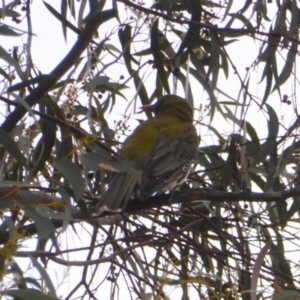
x: 162, y: 148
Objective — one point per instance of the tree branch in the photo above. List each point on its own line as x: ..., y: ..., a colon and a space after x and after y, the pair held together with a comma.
x: 84, y: 38
x: 135, y: 206
x: 201, y: 194
x: 202, y: 25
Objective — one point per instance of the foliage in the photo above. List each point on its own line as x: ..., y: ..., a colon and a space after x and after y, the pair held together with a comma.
x: 230, y: 232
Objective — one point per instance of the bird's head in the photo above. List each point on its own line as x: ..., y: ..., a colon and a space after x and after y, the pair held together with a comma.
x: 171, y: 105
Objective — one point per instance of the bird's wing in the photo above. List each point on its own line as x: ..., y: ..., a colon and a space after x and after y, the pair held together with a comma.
x: 120, y: 189
x: 168, y: 165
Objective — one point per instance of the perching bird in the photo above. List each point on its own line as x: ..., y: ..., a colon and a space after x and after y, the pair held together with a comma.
x: 162, y: 149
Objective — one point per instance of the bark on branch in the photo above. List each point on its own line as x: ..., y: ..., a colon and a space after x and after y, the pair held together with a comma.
x: 135, y: 206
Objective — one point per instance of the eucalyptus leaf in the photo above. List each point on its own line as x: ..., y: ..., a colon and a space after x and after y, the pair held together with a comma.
x: 47, y: 212
x: 22, y: 294
x: 72, y: 173
x: 7, y: 12
x: 273, y: 127
x: 157, y: 55
x: 44, y: 225
x: 6, y: 30
x: 287, y: 295
x: 46, y: 278
x: 11, y: 146
x: 94, y: 161
x: 11, y: 61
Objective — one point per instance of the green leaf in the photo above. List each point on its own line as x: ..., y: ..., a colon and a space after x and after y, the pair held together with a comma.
x: 11, y: 146
x: 157, y: 55
x: 279, y: 263
x: 285, y: 159
x: 33, y: 282
x: 200, y: 75
x: 230, y: 171
x: 28, y: 200
x: 100, y: 83
x: 7, y: 12
x: 261, y: 7
x: 21, y: 101
x: 96, y: 161
x: 294, y: 208
x: 72, y: 173
x: 61, y: 18
x: 69, y: 208
x: 18, y: 274
x: 64, y: 10
x: 44, y: 225
x: 46, y: 278
x: 269, y: 80
x: 22, y: 294
x: 46, y: 143
x: 7, y: 203
x: 191, y: 36
x: 47, y: 212
x: 288, y: 67
x: 213, y: 68
x: 259, y: 261
x: 11, y: 61
x: 253, y: 135
x: 257, y: 179
x: 5, y: 75
x: 66, y: 147
x: 243, y: 19
x: 224, y: 64
x: 213, y: 165
x: 287, y: 295
x: 7, y: 31
x: 273, y: 127
x: 125, y: 40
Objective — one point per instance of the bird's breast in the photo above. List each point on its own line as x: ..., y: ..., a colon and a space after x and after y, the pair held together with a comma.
x: 138, y: 146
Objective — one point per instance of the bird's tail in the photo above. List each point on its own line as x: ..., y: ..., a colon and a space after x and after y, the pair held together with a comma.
x: 116, y: 197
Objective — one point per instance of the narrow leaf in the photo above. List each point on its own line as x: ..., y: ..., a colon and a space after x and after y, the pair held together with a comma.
x: 11, y: 146
x: 22, y: 294
x: 72, y: 173
x: 6, y: 30
x: 273, y: 127
x: 288, y: 67
x: 45, y: 276
x: 11, y: 61
x: 61, y: 18
x: 95, y: 161
x: 157, y: 55
x: 256, y: 270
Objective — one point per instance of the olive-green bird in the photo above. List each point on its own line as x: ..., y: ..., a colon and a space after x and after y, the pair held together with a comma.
x: 162, y: 149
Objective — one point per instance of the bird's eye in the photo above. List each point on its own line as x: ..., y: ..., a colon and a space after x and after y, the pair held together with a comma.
x: 186, y: 168
x: 155, y: 179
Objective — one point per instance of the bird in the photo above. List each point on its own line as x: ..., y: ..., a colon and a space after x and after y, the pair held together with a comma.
x: 162, y: 149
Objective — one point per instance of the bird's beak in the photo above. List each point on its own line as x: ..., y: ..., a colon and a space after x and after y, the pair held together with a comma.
x: 150, y: 108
